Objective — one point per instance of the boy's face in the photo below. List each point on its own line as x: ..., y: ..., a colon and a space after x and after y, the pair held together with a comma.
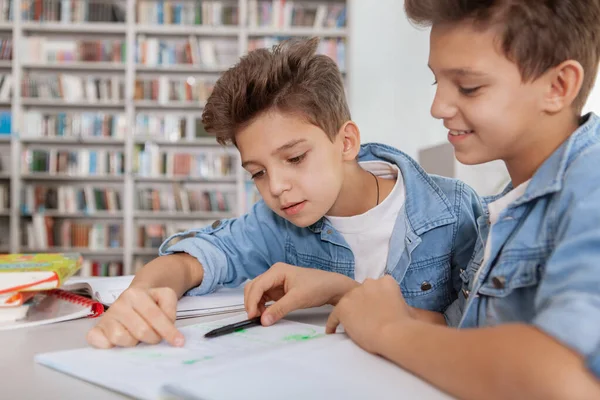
x: 296, y: 168
x: 480, y: 95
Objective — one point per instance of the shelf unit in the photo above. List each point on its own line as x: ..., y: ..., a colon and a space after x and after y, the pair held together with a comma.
x: 129, y: 71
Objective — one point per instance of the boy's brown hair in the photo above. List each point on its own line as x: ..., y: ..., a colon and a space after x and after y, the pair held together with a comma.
x: 535, y: 34
x: 290, y: 78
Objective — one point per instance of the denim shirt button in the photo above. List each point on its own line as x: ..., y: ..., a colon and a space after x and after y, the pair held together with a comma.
x: 329, y: 231
x: 466, y: 293
x: 425, y: 286
x: 216, y: 224
x: 499, y: 282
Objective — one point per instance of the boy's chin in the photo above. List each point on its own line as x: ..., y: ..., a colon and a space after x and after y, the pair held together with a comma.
x: 472, y: 158
x: 302, y: 221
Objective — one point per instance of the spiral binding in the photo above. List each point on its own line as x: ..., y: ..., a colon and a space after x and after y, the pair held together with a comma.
x: 96, y: 307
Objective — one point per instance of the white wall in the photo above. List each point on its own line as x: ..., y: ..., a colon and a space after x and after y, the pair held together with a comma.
x: 593, y: 103
x: 390, y: 84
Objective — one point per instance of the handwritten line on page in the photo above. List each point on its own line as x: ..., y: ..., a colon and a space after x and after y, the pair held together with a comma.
x: 299, y: 360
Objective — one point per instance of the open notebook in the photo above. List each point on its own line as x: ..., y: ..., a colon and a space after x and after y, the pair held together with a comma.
x: 106, y: 290
x: 288, y: 360
x: 55, y: 306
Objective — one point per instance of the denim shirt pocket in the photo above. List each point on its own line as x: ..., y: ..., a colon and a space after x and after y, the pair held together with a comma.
x: 508, y: 292
x: 510, y: 276
x: 319, y: 258
x: 427, y: 284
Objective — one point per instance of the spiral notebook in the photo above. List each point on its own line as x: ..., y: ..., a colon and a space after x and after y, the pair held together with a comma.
x: 56, y: 306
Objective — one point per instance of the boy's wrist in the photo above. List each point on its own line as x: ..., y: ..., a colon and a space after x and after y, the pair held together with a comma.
x: 395, y: 334
x: 345, y: 285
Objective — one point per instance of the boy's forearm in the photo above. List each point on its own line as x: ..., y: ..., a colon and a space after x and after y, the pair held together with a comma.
x: 179, y: 271
x: 431, y: 317
x: 511, y: 361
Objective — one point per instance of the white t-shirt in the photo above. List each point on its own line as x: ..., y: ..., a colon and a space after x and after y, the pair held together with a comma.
x: 496, y: 208
x: 369, y: 234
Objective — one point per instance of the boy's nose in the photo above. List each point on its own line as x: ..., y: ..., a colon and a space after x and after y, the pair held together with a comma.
x: 442, y: 108
x: 278, y: 184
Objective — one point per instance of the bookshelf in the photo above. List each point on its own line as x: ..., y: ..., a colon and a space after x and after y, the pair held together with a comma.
x: 106, y: 100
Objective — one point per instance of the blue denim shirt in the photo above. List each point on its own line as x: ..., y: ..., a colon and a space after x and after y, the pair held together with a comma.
x: 435, y: 236
x: 544, y: 267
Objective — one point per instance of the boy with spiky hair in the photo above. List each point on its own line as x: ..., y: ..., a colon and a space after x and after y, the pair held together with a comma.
x: 343, y: 211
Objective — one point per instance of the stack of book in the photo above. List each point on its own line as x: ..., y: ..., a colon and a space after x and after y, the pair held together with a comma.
x: 22, y: 276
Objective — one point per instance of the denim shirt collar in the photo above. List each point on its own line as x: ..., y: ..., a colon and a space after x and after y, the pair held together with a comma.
x: 426, y: 206
x: 549, y: 177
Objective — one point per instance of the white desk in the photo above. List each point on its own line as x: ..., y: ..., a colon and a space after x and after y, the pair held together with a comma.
x: 22, y: 378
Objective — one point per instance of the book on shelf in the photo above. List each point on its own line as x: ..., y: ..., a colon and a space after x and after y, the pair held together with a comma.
x: 73, y: 163
x: 6, y: 87
x: 333, y: 48
x: 43, y: 50
x: 208, y: 53
x: 205, y: 12
x: 151, y: 160
x: 251, y: 195
x: 5, y: 123
x: 185, y: 199
x: 45, y: 233
x: 91, y: 267
x: 69, y: 199
x: 161, y: 127
x: 6, y: 10
x: 71, y: 11
x: 165, y: 90
x: 6, y: 49
x: 74, y: 88
x: 38, y: 124
x: 286, y: 14
x: 151, y: 236
x: 4, y: 198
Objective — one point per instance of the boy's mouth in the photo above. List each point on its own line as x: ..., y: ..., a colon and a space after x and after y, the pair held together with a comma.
x: 293, y: 208
x: 454, y: 132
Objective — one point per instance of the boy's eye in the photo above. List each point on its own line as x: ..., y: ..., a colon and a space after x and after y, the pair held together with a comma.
x: 258, y: 174
x: 297, y: 160
x: 434, y: 83
x: 467, y: 91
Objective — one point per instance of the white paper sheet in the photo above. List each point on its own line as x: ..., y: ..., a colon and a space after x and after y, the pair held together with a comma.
x: 141, y: 371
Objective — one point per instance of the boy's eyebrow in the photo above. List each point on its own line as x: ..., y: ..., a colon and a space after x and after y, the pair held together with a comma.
x: 286, y: 146
x: 460, y: 71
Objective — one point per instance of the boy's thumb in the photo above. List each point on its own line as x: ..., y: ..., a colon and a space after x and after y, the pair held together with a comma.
x: 278, y: 310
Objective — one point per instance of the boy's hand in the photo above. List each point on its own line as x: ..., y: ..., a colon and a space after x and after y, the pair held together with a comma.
x: 139, y: 315
x: 292, y: 288
x: 367, y: 310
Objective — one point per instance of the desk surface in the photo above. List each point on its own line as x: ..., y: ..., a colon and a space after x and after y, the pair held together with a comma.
x: 24, y: 379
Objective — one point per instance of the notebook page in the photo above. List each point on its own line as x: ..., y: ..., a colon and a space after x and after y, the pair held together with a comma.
x: 106, y: 290
x: 50, y: 309
x: 335, y: 369
x: 142, y: 370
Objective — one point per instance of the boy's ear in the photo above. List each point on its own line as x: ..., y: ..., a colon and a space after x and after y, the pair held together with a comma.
x: 565, y: 82
x: 350, y: 136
